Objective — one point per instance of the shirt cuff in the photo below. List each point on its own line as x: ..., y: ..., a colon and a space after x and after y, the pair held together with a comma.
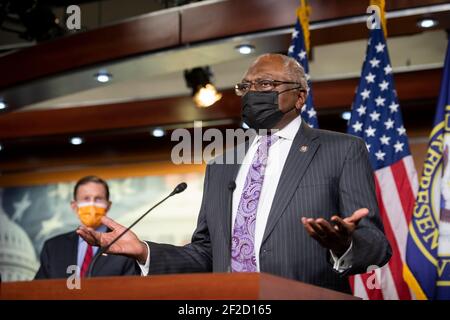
x: 145, y: 267
x: 344, y: 262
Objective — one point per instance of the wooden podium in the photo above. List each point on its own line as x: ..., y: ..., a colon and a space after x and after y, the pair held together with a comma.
x: 206, y: 286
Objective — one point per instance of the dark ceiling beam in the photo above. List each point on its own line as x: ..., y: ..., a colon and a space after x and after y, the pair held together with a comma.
x: 155, y: 31
x: 157, y: 112
x: 328, y: 95
x: 396, y: 27
x: 186, y: 25
x: 236, y: 17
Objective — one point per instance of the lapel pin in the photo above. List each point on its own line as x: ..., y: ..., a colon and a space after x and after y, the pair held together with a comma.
x: 303, y: 148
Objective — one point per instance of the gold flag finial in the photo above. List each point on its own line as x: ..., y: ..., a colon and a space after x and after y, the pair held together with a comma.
x: 303, y: 16
x: 381, y: 4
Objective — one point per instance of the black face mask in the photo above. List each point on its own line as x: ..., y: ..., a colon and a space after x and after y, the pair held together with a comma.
x: 260, y: 109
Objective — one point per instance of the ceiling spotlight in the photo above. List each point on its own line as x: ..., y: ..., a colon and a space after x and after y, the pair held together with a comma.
x: 2, y: 105
x: 158, y: 132
x: 1, y: 147
x: 76, y: 141
x: 207, y: 96
x: 103, y: 76
x: 203, y: 91
x: 346, y: 115
x: 245, y: 48
x: 427, y: 23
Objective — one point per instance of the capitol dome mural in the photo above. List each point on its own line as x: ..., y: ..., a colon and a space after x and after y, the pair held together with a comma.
x: 17, y: 254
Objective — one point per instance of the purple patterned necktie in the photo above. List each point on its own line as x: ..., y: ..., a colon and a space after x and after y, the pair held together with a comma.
x: 243, y: 257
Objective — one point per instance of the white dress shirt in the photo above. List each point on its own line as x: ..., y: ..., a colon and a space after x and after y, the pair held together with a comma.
x: 277, y: 156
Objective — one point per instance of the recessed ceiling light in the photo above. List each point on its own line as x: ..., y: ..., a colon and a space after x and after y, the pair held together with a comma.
x: 158, y: 132
x: 76, y: 141
x: 204, y: 93
x: 245, y: 48
x: 346, y: 115
x: 2, y: 105
x: 427, y: 23
x: 1, y: 147
x: 103, y: 76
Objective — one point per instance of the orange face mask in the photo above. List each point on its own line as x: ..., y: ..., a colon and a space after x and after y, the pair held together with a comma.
x: 91, y: 213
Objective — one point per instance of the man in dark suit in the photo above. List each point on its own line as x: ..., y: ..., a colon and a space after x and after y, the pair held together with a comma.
x: 303, y: 206
x: 91, y: 202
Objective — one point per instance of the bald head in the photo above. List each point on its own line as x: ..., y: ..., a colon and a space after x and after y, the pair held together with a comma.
x: 288, y: 65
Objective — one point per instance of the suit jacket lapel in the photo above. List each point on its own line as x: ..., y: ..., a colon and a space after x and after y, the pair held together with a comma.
x: 100, y: 262
x: 70, y: 251
x: 300, y: 155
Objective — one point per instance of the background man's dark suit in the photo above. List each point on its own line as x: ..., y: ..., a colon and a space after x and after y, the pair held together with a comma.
x: 61, y: 251
x: 333, y: 176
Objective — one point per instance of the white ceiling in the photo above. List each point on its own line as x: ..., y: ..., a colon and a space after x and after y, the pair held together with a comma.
x: 161, y: 75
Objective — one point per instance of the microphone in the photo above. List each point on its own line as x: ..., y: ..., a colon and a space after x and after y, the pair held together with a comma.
x: 178, y: 189
x: 231, y: 187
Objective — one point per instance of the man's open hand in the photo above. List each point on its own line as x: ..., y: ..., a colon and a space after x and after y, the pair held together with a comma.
x: 335, y: 237
x: 128, y: 245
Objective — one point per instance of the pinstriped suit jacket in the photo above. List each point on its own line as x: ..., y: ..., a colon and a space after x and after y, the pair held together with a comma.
x: 333, y: 176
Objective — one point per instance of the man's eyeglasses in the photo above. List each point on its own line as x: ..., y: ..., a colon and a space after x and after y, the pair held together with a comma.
x: 260, y: 85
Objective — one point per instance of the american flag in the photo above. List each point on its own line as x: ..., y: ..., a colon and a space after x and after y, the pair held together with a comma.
x: 376, y: 117
x: 298, y: 50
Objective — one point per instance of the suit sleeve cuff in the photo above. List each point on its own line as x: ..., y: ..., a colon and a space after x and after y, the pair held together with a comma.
x: 145, y: 267
x: 344, y: 262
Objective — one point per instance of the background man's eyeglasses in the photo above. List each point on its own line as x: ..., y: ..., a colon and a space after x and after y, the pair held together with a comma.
x: 260, y: 85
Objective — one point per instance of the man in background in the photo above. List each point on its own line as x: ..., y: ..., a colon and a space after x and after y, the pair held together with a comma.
x: 90, y: 204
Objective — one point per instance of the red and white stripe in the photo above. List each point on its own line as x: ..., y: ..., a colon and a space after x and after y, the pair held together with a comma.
x: 396, y: 188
